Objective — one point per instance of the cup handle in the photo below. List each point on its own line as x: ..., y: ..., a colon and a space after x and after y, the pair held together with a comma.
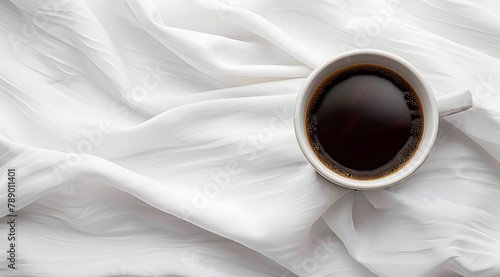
x: 454, y: 102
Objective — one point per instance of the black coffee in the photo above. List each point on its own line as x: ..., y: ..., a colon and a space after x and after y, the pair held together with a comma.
x: 364, y: 121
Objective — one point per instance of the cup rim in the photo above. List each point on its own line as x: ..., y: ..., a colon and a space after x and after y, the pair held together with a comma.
x: 431, y: 118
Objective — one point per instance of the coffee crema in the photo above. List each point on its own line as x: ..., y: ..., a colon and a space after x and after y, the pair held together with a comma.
x: 364, y: 121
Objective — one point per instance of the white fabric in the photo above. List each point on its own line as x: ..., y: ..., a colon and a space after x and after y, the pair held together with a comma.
x: 156, y: 139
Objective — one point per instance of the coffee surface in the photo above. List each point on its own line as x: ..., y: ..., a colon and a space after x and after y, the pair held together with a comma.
x: 364, y: 121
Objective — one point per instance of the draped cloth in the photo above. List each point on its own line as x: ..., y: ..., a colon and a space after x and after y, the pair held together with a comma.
x: 155, y: 138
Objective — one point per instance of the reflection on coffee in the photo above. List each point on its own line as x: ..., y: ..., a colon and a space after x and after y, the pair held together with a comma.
x: 364, y: 121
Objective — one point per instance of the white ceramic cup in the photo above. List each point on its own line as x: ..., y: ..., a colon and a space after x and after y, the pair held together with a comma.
x: 433, y: 108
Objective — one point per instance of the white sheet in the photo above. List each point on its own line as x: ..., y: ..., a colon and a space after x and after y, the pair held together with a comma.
x: 154, y: 138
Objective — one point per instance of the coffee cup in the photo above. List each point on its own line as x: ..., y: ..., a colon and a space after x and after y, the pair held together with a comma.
x: 429, y: 108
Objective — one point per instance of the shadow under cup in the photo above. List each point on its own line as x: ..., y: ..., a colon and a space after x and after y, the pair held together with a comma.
x: 404, y: 69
